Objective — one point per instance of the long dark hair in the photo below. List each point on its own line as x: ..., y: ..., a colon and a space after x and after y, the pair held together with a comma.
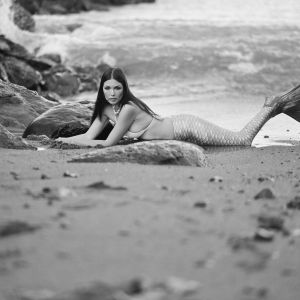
x: 118, y: 74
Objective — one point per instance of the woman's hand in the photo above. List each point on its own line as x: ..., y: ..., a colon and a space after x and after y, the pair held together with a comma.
x: 81, y: 141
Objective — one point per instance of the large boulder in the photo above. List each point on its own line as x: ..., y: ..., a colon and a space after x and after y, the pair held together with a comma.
x: 21, y: 73
x: 23, y: 18
x: 159, y: 152
x: 10, y: 48
x: 33, y: 6
x: 18, y: 66
x: 72, y: 6
x: 62, y: 81
x: 10, y: 141
x: 64, y: 120
x: 61, y: 121
x: 19, y: 106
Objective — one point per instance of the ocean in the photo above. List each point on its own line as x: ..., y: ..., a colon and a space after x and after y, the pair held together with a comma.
x: 217, y: 59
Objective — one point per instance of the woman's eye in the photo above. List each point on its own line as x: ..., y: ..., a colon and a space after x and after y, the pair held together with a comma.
x: 107, y: 88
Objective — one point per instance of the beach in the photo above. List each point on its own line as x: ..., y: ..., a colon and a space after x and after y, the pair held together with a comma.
x: 228, y: 229
x: 152, y: 222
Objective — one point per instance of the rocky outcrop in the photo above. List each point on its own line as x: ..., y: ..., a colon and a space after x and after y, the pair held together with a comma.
x: 72, y: 6
x: 22, y: 17
x: 62, y: 120
x: 10, y: 141
x: 61, y: 80
x: 44, y: 74
x: 149, y: 152
x: 19, y: 106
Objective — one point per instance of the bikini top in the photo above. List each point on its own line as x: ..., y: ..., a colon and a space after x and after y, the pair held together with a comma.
x: 134, y: 134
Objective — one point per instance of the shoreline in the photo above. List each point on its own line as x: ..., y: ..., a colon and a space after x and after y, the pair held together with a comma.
x: 162, y: 222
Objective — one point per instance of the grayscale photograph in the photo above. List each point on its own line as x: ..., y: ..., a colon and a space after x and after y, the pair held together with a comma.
x: 150, y: 150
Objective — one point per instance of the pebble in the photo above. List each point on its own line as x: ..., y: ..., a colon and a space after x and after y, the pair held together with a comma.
x: 16, y: 227
x: 216, y: 179
x: 294, y: 204
x: 14, y: 175
x: 69, y: 174
x: 102, y: 185
x: 264, y: 235
x: 265, y: 194
x: 271, y: 222
x: 44, y: 176
x: 200, y: 204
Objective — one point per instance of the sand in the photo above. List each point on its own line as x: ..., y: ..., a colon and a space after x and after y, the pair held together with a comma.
x: 153, y: 222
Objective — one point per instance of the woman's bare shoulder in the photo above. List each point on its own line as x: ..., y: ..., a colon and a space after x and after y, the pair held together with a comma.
x: 131, y: 107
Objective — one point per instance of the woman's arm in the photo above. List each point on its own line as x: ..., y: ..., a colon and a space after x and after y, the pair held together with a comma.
x: 85, y: 138
x: 125, y: 119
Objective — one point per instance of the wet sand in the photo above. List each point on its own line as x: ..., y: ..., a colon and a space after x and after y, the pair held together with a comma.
x: 154, y: 222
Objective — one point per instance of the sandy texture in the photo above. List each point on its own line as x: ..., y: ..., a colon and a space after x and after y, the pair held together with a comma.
x: 112, y: 222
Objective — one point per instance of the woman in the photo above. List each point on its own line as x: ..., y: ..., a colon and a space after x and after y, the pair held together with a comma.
x: 132, y: 118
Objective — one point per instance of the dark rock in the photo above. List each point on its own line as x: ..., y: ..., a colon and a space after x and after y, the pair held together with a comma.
x: 61, y: 121
x: 272, y: 222
x: 3, y: 73
x: 21, y: 73
x: 33, y: 6
x: 16, y: 227
x: 10, y: 48
x: 89, y: 77
x: 62, y: 81
x: 294, y: 204
x: 69, y: 174
x: 41, y: 63
x: 55, y: 58
x: 22, y: 18
x: 200, y: 204
x: 148, y: 152
x: 19, y: 106
x: 103, y: 186
x: 73, y: 6
x: 264, y: 235
x: 216, y: 179
x: 265, y: 194
x: 10, y: 141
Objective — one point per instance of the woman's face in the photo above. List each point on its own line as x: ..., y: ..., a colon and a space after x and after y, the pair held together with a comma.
x: 113, y: 91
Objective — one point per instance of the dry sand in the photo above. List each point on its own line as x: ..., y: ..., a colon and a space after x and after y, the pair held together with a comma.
x: 159, y: 222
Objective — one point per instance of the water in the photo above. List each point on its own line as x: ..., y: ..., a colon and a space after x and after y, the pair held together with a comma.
x: 213, y: 58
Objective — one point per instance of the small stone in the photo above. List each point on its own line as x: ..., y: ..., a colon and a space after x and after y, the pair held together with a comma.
x: 16, y: 228
x: 216, y: 179
x: 102, y: 185
x: 64, y: 225
x: 179, y: 286
x: 124, y: 233
x: 265, y: 178
x: 264, y: 235
x: 271, y: 222
x: 44, y: 176
x: 69, y: 174
x: 14, y: 175
x: 294, y: 204
x: 200, y: 204
x: 264, y: 194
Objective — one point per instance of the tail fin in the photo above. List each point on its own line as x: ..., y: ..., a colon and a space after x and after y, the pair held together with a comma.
x: 294, y: 112
x: 291, y: 103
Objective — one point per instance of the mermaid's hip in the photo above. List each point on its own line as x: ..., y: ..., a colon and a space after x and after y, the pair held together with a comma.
x: 189, y: 128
